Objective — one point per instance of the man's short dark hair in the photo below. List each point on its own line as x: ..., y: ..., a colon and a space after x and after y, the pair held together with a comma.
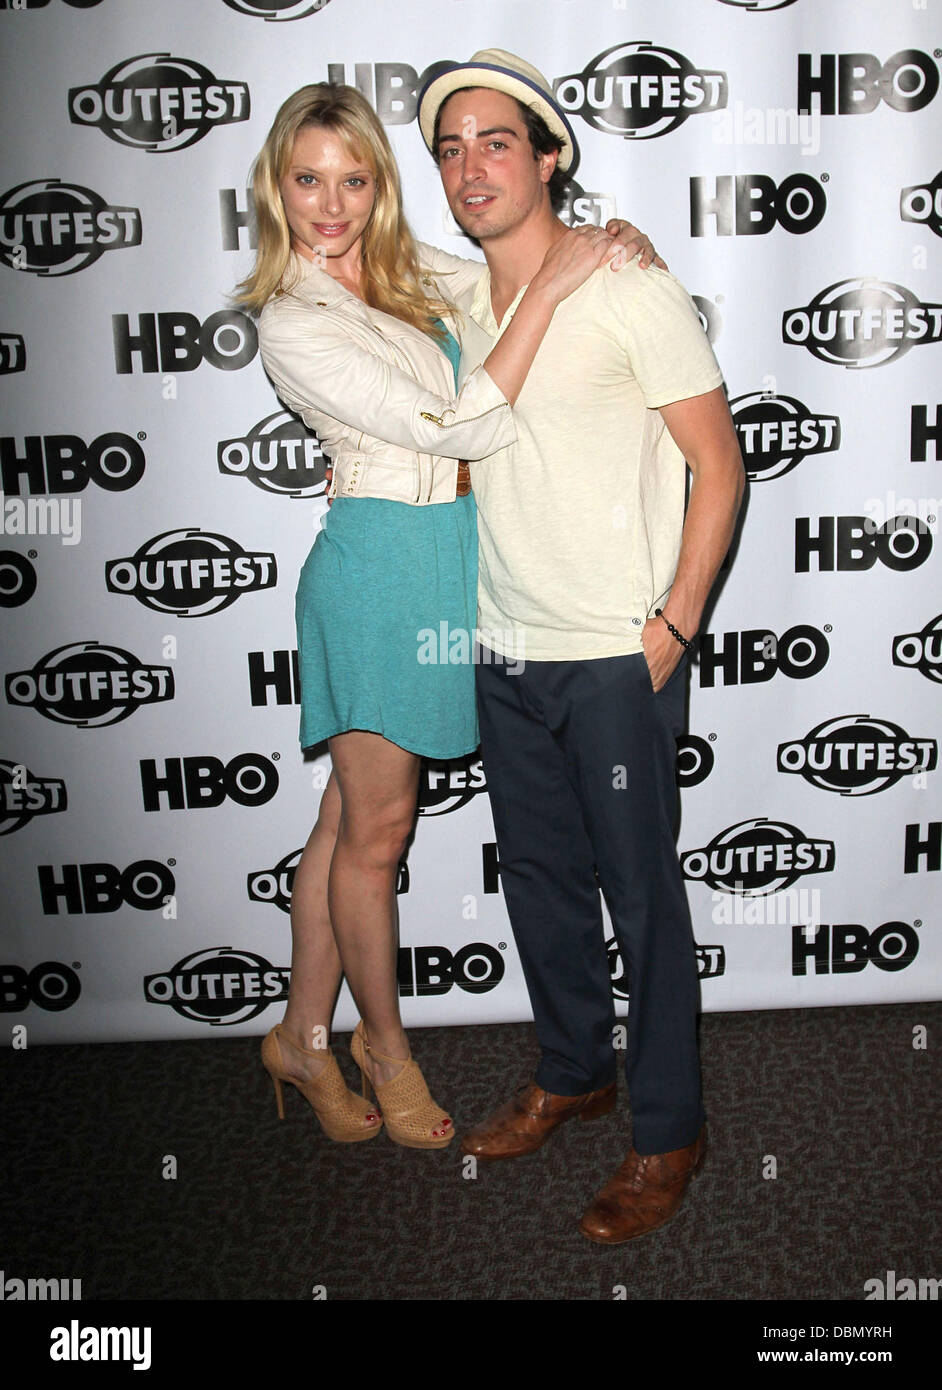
x: 542, y: 141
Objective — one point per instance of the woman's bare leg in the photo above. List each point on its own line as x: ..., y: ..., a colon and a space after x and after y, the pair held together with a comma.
x: 315, y: 963
x: 378, y: 784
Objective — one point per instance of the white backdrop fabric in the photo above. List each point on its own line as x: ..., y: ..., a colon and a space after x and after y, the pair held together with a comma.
x: 158, y: 501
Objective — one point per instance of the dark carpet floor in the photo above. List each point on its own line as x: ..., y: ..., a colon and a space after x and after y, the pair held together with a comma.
x: 836, y: 1101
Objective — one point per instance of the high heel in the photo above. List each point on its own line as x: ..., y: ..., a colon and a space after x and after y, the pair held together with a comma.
x: 340, y: 1112
x: 408, y: 1109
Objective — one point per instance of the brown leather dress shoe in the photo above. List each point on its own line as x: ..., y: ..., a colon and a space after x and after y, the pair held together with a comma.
x: 525, y: 1121
x: 643, y: 1194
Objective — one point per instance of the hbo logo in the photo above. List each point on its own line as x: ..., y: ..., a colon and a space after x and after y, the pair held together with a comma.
x: 103, y: 888
x: 179, y: 342
x: 755, y: 655
x: 752, y: 204
x: 51, y: 985
x: 844, y: 950
x: 189, y: 783
x: 476, y: 968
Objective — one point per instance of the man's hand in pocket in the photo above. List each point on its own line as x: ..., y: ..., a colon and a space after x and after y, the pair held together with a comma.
x: 662, y: 651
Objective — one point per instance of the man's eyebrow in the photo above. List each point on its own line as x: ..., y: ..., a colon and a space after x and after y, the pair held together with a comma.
x: 494, y: 130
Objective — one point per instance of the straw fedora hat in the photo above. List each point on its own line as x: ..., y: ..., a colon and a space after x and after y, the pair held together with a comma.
x: 500, y: 71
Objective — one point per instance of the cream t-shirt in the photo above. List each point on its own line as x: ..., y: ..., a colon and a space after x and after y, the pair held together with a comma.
x: 580, y: 520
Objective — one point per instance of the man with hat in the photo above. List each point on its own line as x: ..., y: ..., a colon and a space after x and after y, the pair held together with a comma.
x: 591, y: 588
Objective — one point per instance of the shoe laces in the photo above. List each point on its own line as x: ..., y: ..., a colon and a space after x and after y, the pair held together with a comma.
x: 633, y: 1171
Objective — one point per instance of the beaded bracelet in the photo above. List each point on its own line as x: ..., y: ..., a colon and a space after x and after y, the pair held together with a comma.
x: 673, y: 631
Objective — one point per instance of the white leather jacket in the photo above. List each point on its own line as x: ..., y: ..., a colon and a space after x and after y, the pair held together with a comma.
x: 378, y: 393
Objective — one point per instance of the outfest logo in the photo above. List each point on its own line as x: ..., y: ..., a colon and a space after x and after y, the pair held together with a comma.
x: 923, y: 204
x: 159, y: 103
x: 48, y: 227
x: 23, y: 795
x: 447, y: 786
x: 584, y: 208
x: 190, y: 572
x: 639, y: 90
x: 89, y: 685
x: 711, y: 962
x: 862, y: 323
x: 275, y: 10
x: 757, y: 857
x: 921, y: 651
x: 857, y: 755
x: 41, y: 4
x: 219, y: 986
x: 777, y: 432
x: 277, y: 455
x: 274, y: 885
x: 12, y: 353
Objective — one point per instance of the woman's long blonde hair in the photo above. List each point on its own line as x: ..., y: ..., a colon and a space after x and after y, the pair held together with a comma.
x: 390, y: 261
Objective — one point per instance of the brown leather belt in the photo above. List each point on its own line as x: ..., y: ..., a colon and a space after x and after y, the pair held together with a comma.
x: 464, y: 480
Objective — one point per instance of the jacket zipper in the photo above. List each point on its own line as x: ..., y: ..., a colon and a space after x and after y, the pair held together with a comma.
x: 437, y: 419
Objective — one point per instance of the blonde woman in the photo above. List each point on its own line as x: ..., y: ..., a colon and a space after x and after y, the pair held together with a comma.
x: 357, y: 334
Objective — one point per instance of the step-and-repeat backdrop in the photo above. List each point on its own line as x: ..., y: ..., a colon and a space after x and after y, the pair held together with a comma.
x: 158, y: 501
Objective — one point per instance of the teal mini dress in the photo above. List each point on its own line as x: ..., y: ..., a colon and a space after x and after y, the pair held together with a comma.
x: 386, y: 606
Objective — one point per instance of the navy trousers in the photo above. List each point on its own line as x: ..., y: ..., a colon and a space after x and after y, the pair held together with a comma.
x: 580, y: 764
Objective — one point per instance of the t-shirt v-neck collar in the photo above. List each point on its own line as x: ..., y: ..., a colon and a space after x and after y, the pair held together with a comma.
x: 482, y: 309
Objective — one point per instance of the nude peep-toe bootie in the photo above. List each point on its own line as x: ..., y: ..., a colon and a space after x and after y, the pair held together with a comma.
x: 408, y: 1110
x: 341, y: 1113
